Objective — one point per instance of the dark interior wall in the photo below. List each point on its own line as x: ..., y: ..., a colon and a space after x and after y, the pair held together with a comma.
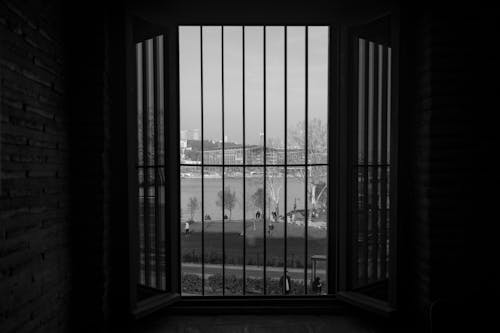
x: 35, y: 260
x: 62, y: 216
x: 452, y: 141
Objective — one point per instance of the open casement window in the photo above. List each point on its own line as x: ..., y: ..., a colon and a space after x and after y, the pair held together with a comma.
x: 368, y: 277
x: 154, y: 248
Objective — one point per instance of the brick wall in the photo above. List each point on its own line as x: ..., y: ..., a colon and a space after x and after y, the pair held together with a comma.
x: 34, y: 202
x: 452, y: 171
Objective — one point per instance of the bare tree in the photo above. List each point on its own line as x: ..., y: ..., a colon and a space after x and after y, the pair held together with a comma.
x: 230, y: 200
x: 316, y: 154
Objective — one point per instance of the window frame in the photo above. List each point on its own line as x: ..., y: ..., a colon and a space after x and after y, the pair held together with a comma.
x: 337, y: 147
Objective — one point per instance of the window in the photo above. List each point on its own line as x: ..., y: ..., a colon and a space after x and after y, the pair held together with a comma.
x: 254, y: 200
x: 266, y: 165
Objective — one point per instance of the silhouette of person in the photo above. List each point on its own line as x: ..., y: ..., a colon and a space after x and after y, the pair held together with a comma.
x: 288, y: 283
x: 257, y: 215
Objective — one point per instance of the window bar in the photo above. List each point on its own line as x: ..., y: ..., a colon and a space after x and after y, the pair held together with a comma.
x: 244, y: 159
x: 223, y: 169
x: 140, y: 154
x: 156, y: 171
x: 306, y: 157
x: 265, y: 160
x: 383, y: 180
x: 285, y: 162
x: 145, y: 145
x: 202, y: 172
x: 364, y: 224
x: 375, y: 161
x: 355, y: 194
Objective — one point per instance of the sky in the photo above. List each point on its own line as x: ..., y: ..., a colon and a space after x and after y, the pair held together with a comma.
x: 190, y: 80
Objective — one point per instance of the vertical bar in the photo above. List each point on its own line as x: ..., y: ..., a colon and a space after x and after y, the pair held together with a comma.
x: 244, y: 159
x: 202, y: 172
x: 285, y: 258
x: 265, y: 159
x: 156, y: 170
x: 364, y: 224
x: 384, y: 162
x: 223, y: 168
x: 375, y: 161
x: 355, y: 193
x: 306, y: 158
x: 145, y: 127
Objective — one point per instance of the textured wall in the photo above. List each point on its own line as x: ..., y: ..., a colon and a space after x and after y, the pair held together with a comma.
x: 34, y: 203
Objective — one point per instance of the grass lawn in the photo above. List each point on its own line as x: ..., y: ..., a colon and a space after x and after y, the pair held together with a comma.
x: 191, y: 244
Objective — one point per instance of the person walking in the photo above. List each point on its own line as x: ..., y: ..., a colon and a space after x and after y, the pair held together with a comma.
x: 186, y: 228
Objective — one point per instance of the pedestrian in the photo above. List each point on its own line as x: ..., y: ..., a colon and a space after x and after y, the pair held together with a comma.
x: 287, y: 281
x: 186, y: 228
x: 316, y: 285
x: 257, y: 215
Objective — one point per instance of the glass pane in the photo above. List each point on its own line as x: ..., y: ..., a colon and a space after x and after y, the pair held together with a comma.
x: 191, y: 230
x: 295, y: 217
x: 212, y: 95
x: 317, y: 231
x: 254, y: 95
x: 275, y: 95
x: 318, y: 95
x: 212, y: 205
x: 254, y: 235
x: 233, y: 95
x: 190, y: 95
x: 233, y: 230
x: 274, y: 229
x: 296, y: 78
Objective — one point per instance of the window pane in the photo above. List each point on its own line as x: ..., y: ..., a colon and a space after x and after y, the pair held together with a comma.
x: 212, y: 95
x: 296, y: 228
x: 233, y: 95
x: 296, y: 79
x: 233, y: 230
x: 318, y: 95
x: 275, y: 95
x: 191, y: 230
x: 254, y: 95
x: 190, y: 94
x: 254, y: 238
x: 318, y: 223
x: 274, y: 228
x: 212, y: 204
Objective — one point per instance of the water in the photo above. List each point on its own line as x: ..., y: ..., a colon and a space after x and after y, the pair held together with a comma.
x: 191, y: 187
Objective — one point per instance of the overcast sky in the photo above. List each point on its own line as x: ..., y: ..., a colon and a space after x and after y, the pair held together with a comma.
x: 190, y: 90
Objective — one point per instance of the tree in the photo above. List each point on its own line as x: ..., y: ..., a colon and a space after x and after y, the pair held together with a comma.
x: 230, y: 200
x: 317, y: 154
x: 274, y: 183
x: 193, y: 206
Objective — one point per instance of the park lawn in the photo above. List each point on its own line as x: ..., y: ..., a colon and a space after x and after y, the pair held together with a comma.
x: 191, y: 244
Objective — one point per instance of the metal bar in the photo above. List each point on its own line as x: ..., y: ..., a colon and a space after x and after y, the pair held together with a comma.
x: 375, y: 177
x: 383, y: 158
x: 364, y: 224
x: 265, y: 160
x: 223, y: 169
x: 156, y: 133
x: 202, y: 171
x: 306, y: 157
x: 355, y: 193
x: 285, y: 257
x: 145, y: 144
x: 244, y: 159
x: 257, y: 165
